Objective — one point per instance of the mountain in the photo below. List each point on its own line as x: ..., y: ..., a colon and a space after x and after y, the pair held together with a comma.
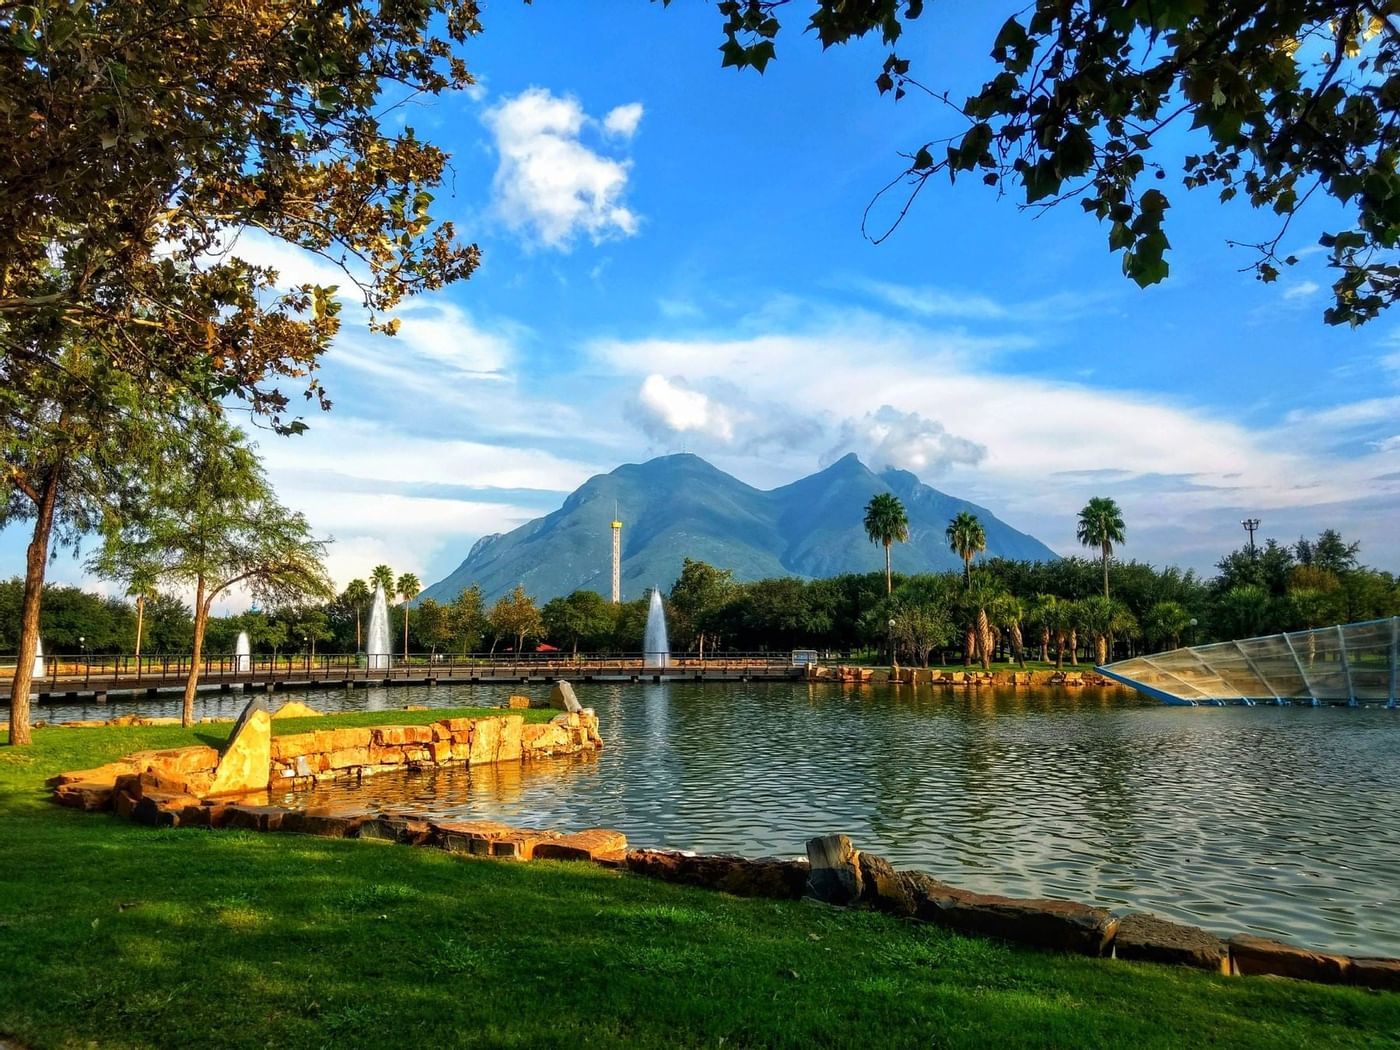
x: 677, y: 507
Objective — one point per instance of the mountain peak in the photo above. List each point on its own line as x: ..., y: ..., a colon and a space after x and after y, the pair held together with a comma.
x: 682, y: 506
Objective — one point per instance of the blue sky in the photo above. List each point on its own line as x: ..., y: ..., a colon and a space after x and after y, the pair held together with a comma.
x: 673, y: 260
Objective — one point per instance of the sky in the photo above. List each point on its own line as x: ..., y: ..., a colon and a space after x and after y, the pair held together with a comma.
x: 673, y: 260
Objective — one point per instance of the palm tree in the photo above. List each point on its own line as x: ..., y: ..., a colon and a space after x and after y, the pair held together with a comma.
x: 1054, y: 614
x: 357, y: 593
x: 408, y: 588
x: 967, y: 539
x: 984, y: 595
x: 383, y: 576
x: 885, y: 522
x: 1101, y: 526
x: 1010, y: 611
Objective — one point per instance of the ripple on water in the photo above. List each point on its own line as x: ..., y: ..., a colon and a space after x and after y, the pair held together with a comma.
x: 1282, y: 821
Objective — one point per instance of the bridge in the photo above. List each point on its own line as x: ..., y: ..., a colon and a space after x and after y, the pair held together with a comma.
x: 68, y: 677
x: 1355, y: 665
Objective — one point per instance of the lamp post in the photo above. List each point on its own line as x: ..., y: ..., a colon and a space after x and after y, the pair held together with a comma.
x: 82, y: 654
x: 1250, y: 524
x: 892, y: 659
x: 1193, y: 631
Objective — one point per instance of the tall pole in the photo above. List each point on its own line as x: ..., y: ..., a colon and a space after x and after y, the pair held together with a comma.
x: 616, y: 560
x: 1250, y: 524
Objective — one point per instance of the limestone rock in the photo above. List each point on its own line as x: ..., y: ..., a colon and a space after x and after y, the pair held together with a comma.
x: 741, y: 876
x: 386, y: 735
x: 835, y: 873
x: 1151, y: 939
x: 562, y: 698
x: 881, y: 886
x: 246, y: 763
x: 1250, y: 955
x: 1058, y: 925
x: 490, y: 838
x: 518, y: 702
x: 295, y: 709
x: 1376, y: 973
x: 582, y: 845
x: 509, y: 746
x: 485, y: 741
x: 253, y: 818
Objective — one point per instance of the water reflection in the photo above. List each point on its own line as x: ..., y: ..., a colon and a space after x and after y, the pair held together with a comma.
x: 1279, y: 820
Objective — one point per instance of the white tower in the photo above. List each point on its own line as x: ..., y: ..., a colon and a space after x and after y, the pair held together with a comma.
x: 617, y: 559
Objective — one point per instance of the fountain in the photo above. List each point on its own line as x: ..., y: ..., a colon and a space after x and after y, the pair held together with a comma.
x: 377, y: 637
x: 656, y: 649
x: 242, y: 654
x: 39, y: 670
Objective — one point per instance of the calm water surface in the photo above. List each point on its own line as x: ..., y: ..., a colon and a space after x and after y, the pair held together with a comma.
x: 1282, y: 821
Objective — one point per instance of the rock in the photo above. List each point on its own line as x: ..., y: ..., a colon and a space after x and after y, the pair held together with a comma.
x: 486, y: 740
x: 490, y: 838
x: 295, y: 709
x: 1375, y: 973
x: 881, y: 886
x: 562, y: 698
x: 172, y: 764
x: 294, y: 746
x: 406, y: 828
x: 509, y: 747
x: 246, y: 762
x: 582, y: 845
x: 253, y: 818
x: 835, y: 870
x: 1151, y: 939
x: 348, y: 758
x: 386, y: 735
x: 1054, y: 924
x: 741, y: 876
x: 518, y: 702
x: 336, y: 823
x: 1252, y: 955
x: 91, y: 795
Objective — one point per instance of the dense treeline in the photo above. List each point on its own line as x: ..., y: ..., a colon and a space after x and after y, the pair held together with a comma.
x: 1047, y: 610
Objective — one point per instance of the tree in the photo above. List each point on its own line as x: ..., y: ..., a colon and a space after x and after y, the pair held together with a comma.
x: 1245, y: 612
x: 885, y: 522
x: 581, y: 618
x: 142, y: 588
x: 1089, y: 101
x: 1328, y: 552
x: 1101, y: 525
x: 434, y: 626
x: 468, y: 617
x: 357, y: 595
x: 698, y: 595
x: 515, y: 616
x: 922, y: 611
x: 181, y: 132
x: 966, y: 538
x: 383, y: 577
x: 1009, y: 612
x: 407, y: 587
x: 214, y: 523
x: 1165, y: 622
x: 1056, y: 616
x: 983, y: 594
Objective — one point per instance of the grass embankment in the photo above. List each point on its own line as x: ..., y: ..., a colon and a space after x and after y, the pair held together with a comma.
x: 118, y: 935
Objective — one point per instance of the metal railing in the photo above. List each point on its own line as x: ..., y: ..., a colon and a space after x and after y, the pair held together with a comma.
x: 132, y: 670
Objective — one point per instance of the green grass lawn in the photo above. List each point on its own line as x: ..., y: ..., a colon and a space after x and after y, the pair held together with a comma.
x: 117, y: 935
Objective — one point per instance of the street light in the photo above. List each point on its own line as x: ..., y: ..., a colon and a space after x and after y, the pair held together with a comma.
x: 1193, y: 631
x: 891, y: 641
x: 1250, y: 524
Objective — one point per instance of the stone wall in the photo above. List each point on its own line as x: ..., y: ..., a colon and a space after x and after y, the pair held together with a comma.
x: 939, y: 676
x: 174, y: 781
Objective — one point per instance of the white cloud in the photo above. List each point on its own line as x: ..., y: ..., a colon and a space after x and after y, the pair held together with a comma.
x: 906, y: 440
x: 551, y: 185
x: 670, y: 407
x: 623, y: 120
x: 1301, y: 290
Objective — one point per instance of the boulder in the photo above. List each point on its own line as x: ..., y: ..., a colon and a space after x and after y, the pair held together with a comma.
x: 1054, y: 924
x: 246, y: 762
x: 1252, y: 955
x: 581, y: 845
x: 1151, y: 939
x: 399, y: 735
x: 91, y: 795
x: 485, y: 741
x: 294, y: 746
x: 562, y: 698
x: 252, y: 818
x: 326, y: 821
x: 741, y: 876
x: 1375, y: 973
x: 518, y: 702
x: 295, y: 709
x: 834, y: 877
x: 407, y: 828
x: 489, y: 838
x: 509, y: 746
x: 881, y: 886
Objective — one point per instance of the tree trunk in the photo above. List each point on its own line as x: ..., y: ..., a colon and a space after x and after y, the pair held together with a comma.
x: 1045, y: 645
x: 358, y: 645
x: 702, y: 645
x: 201, y: 618
x: 1059, y: 650
x: 984, y: 640
x: 969, y: 644
x: 1105, y: 570
x: 1018, y: 644
x: 140, y: 621
x: 36, y: 560
x: 1074, y: 647
x: 889, y: 583
x: 405, y: 634
x: 1102, y: 649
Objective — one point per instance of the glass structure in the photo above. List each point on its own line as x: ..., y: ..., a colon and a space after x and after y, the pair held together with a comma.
x: 1354, y: 664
